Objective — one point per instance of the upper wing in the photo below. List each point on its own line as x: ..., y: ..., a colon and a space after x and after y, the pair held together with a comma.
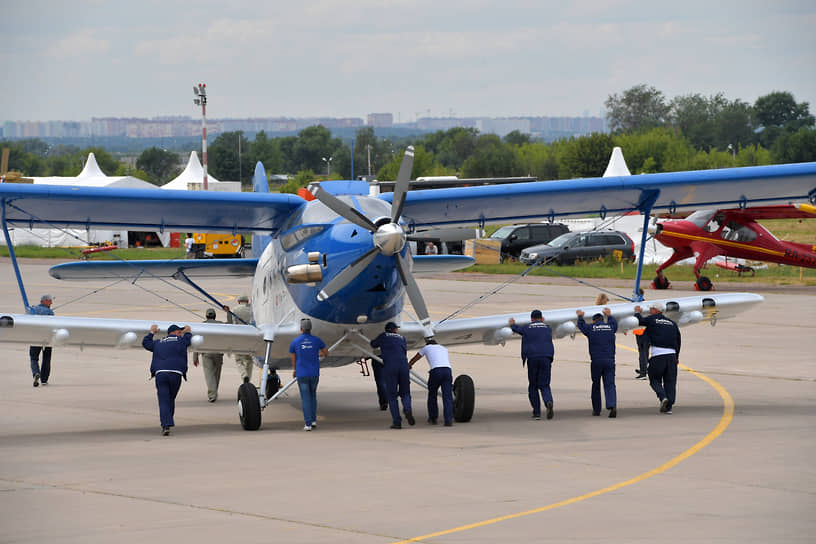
x: 677, y: 190
x: 492, y: 330
x: 97, y: 207
x: 192, y: 268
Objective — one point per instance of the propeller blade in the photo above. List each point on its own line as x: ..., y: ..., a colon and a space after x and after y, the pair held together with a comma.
x: 414, y: 295
x: 344, y: 210
x: 402, y: 184
x: 347, y: 274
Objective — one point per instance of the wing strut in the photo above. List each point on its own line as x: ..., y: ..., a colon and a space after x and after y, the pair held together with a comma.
x: 180, y: 275
x: 13, y: 256
x: 646, y: 202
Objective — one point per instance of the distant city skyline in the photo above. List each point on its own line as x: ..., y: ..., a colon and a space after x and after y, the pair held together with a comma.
x: 83, y: 59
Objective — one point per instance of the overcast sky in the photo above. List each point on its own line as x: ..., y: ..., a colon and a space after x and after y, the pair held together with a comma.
x: 73, y: 60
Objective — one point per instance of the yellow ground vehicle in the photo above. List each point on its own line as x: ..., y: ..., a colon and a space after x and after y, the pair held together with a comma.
x: 208, y: 245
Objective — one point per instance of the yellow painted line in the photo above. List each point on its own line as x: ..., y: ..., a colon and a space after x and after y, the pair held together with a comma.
x: 725, y: 420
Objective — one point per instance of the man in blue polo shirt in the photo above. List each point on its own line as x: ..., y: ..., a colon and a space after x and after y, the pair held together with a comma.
x: 394, y: 351
x: 306, y: 351
x: 537, y: 351
x: 601, y: 338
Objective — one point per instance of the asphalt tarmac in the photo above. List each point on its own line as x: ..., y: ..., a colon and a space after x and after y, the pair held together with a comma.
x: 82, y: 460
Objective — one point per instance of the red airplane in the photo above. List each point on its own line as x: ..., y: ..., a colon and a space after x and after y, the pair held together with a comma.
x: 733, y: 233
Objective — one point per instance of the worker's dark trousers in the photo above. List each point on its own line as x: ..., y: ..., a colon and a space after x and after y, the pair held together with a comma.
x: 538, y: 378
x: 663, y: 376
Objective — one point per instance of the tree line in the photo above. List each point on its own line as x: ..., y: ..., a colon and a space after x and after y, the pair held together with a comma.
x: 690, y: 132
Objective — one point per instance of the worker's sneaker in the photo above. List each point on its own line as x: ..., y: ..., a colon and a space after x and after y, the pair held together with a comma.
x: 383, y: 407
x: 449, y: 424
x: 536, y: 416
x: 431, y: 421
x: 664, y: 406
x: 212, y: 399
x: 314, y: 424
x: 396, y: 425
x: 596, y: 413
x: 410, y: 417
x: 641, y: 376
x: 165, y: 431
x: 36, y: 380
x: 550, y: 412
x: 613, y: 412
x: 307, y: 427
x: 43, y: 383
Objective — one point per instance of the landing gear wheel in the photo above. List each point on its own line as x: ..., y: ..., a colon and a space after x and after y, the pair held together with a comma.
x: 249, y: 407
x: 464, y: 398
x: 660, y: 282
x: 703, y: 284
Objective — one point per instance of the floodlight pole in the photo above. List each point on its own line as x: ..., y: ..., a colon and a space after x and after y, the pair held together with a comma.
x: 201, y: 93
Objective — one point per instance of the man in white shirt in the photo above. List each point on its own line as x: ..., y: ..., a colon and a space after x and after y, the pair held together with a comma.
x: 188, y: 247
x: 441, y: 375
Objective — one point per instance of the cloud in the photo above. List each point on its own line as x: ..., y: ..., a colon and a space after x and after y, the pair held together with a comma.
x: 80, y: 44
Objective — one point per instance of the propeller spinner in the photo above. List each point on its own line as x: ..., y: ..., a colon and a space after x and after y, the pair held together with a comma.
x: 389, y: 239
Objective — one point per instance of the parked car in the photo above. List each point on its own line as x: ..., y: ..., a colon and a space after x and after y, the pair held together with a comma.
x: 515, y: 238
x: 581, y: 246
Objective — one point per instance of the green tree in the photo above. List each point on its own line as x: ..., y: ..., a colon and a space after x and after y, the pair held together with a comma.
x: 268, y: 152
x: 656, y: 150
x: 492, y: 158
x: 797, y: 147
x: 313, y: 149
x: 541, y: 161
x: 778, y: 113
x: 517, y: 138
x: 424, y: 165
x: 225, y: 162
x: 301, y: 179
x: 586, y: 156
x: 159, y: 165
x: 638, y: 108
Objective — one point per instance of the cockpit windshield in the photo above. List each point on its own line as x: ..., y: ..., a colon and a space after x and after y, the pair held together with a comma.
x: 701, y: 217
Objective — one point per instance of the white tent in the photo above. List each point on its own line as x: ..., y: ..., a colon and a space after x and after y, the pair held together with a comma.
x: 91, y: 176
x: 192, y: 179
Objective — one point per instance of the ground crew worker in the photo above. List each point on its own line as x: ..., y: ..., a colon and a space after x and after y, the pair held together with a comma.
x: 440, y: 375
x: 305, y: 351
x: 211, y: 363
x: 243, y: 361
x: 601, y: 336
x: 394, y: 351
x: 664, y: 337
x: 168, y: 366
x: 37, y: 372
x: 537, y: 351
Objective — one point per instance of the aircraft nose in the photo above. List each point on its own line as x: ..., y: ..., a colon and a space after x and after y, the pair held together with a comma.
x: 655, y: 229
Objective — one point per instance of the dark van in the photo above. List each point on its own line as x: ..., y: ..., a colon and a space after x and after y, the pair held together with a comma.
x: 514, y: 238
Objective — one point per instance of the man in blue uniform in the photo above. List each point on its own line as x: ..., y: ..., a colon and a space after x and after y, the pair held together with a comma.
x: 41, y: 373
x: 305, y: 351
x: 394, y: 352
x: 601, y: 338
x: 168, y: 366
x: 664, y: 337
x: 440, y: 375
x: 537, y: 351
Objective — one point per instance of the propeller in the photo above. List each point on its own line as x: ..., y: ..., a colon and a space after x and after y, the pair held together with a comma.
x: 388, y: 236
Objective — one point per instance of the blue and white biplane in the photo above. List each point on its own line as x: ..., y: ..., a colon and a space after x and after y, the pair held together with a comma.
x: 343, y: 259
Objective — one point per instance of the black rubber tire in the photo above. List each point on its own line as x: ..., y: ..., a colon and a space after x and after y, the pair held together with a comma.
x: 249, y: 407
x: 464, y: 398
x: 660, y: 282
x: 704, y: 284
